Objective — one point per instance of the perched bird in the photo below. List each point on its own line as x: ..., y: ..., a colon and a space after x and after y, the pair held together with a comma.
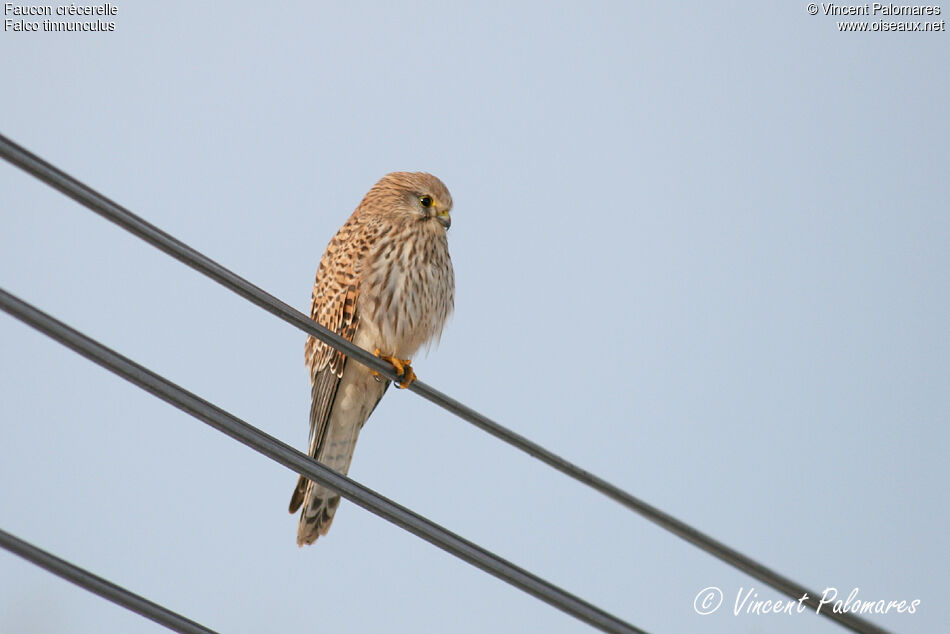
x: 385, y: 282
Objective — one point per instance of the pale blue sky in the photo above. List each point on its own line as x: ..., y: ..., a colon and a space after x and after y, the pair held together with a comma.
x: 700, y: 249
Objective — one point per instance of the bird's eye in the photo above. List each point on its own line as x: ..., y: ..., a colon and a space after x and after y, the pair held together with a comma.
x: 426, y: 201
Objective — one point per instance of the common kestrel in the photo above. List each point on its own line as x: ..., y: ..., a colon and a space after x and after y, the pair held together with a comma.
x: 385, y: 282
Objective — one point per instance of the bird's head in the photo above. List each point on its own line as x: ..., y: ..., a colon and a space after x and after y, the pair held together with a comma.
x: 412, y: 196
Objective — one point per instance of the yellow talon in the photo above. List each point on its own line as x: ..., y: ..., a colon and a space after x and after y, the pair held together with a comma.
x: 403, y: 368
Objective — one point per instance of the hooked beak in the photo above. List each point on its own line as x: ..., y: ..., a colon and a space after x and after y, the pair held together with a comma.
x: 444, y: 219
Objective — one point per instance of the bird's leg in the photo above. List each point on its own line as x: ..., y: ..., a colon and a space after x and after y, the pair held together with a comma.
x: 403, y: 369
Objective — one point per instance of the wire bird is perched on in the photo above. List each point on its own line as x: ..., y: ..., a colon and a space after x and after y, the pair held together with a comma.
x: 385, y: 282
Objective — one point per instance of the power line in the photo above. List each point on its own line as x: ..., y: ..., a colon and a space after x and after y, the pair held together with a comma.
x: 121, y: 216
x: 305, y: 465
x: 97, y: 585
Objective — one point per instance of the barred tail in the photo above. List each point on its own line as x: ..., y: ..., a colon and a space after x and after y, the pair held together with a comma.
x: 320, y: 503
x: 318, y: 512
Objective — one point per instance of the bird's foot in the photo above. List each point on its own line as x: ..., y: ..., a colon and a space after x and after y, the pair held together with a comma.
x: 403, y: 368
